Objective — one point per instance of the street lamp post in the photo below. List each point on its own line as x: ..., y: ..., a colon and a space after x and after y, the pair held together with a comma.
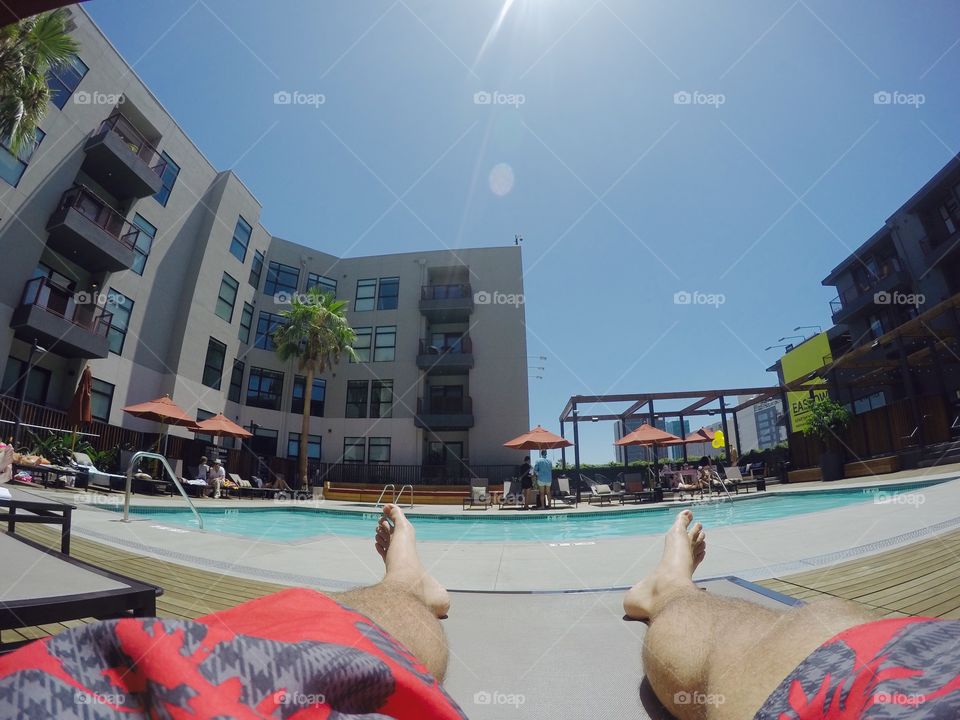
x: 35, y: 349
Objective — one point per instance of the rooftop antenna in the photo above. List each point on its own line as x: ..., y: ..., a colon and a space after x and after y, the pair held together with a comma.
x: 517, y: 239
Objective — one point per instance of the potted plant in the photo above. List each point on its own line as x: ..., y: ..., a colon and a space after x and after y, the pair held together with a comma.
x: 828, y: 421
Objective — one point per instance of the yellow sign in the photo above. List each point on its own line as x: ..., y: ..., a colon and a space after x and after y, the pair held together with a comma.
x: 802, y: 360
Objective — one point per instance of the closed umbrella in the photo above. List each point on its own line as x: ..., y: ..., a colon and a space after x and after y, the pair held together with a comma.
x: 81, y: 411
x: 164, y: 411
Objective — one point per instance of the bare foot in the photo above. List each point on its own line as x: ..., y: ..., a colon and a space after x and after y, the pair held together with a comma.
x: 684, y: 549
x: 397, y: 544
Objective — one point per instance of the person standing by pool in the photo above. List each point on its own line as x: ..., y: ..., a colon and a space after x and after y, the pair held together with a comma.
x: 544, y: 472
x: 525, y: 476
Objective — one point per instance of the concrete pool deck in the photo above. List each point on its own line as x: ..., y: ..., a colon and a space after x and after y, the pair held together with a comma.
x: 752, y: 550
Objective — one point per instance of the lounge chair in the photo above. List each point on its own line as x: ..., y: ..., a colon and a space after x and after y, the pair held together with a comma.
x: 88, y: 476
x: 603, y: 492
x: 563, y: 483
x: 479, y: 494
x: 245, y: 487
x: 509, y: 498
x: 736, y: 480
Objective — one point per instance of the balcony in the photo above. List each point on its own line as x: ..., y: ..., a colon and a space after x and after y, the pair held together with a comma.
x: 444, y: 414
x: 936, y: 251
x: 120, y: 159
x: 890, y: 277
x: 51, y: 315
x: 454, y: 358
x: 446, y: 303
x: 90, y: 233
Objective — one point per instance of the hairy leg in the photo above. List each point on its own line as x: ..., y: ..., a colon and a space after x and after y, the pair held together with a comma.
x: 700, y: 648
x: 408, y: 601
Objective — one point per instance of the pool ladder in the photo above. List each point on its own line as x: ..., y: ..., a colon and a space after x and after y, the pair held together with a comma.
x: 134, y: 461
x: 396, y: 496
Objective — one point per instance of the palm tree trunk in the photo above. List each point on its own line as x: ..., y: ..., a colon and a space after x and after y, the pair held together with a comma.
x: 305, y: 427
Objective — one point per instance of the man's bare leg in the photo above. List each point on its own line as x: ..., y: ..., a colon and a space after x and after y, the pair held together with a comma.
x: 719, y: 658
x: 408, y: 601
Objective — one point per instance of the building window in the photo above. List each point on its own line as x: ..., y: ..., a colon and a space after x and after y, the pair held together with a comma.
x: 353, y: 450
x: 121, y: 306
x: 366, y: 295
x: 227, y: 297
x: 37, y: 385
x: 313, y: 446
x: 143, y: 243
x: 241, y: 239
x: 444, y: 453
x: 950, y: 213
x: 256, y: 269
x: 324, y: 284
x: 386, y: 343
x: 281, y: 278
x: 201, y: 416
x: 317, y: 397
x: 388, y: 293
x: 169, y: 177
x: 13, y: 166
x: 213, y: 365
x: 246, y: 322
x: 236, y: 382
x: 264, y: 388
x: 361, y: 346
x: 264, y: 443
x: 356, y: 399
x: 101, y: 399
x: 267, y: 324
x: 378, y: 450
x: 63, y: 80
x: 381, y: 398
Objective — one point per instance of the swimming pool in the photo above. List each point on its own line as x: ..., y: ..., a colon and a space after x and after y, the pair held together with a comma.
x: 297, y: 523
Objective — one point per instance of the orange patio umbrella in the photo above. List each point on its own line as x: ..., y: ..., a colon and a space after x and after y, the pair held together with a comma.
x: 538, y: 439
x: 650, y: 436
x: 222, y: 426
x: 164, y: 411
x: 702, y: 435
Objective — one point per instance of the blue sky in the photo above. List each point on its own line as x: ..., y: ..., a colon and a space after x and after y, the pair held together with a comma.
x: 780, y: 166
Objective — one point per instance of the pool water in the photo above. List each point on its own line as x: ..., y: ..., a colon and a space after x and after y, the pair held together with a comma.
x: 296, y: 522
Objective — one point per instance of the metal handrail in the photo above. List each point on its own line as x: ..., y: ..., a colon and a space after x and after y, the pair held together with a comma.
x: 154, y: 456
x: 396, y: 497
x: 390, y: 486
x: 723, y: 483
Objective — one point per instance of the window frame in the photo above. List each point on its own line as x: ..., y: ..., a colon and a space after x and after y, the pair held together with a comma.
x: 246, y: 323
x: 379, y: 444
x: 236, y: 242
x: 391, y: 350
x: 363, y: 352
x: 165, y: 188
x: 95, y: 392
x: 366, y: 284
x: 357, y: 443
x: 312, y: 440
x: 324, y: 283
x: 395, y: 297
x: 264, y: 340
x: 275, y: 270
x: 261, y: 374
x: 359, y: 405
x: 21, y: 159
x: 126, y: 304
x: 223, y: 302
x: 236, y: 382
x: 213, y: 343
x: 149, y: 230
x: 256, y: 269
x: 377, y: 387
x: 56, y: 93
x: 296, y: 404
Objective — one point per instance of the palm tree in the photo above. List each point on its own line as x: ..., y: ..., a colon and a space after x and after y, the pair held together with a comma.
x: 28, y: 50
x: 315, y: 333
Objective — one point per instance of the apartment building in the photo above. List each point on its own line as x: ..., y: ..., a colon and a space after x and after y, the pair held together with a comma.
x: 761, y: 426
x: 124, y: 249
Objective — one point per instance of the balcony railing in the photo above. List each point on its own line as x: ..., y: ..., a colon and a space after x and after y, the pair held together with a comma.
x: 445, y: 406
x: 454, y: 291
x: 56, y: 300
x: 134, y: 139
x: 887, y: 267
x: 85, y: 202
x: 463, y: 346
